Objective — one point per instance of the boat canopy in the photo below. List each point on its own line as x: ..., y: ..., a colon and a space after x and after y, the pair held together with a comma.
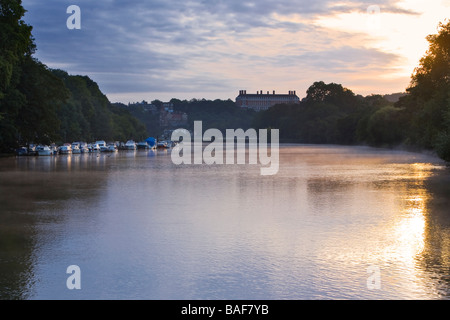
x: 151, y: 141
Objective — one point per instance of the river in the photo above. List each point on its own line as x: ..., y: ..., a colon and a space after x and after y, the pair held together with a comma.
x: 335, y: 222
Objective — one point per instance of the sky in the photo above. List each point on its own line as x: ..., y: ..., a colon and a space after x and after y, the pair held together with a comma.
x: 163, y: 49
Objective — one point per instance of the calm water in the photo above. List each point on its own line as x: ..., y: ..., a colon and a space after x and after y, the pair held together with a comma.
x: 140, y: 227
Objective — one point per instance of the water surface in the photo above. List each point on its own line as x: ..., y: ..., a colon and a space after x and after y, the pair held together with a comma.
x: 140, y: 227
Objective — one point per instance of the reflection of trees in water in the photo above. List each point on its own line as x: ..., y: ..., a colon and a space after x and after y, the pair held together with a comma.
x: 28, y: 188
x: 436, y: 255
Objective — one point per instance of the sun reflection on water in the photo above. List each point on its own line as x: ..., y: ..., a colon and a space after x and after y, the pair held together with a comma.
x: 409, y: 232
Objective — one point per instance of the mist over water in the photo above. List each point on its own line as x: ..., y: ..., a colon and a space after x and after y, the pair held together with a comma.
x: 140, y: 227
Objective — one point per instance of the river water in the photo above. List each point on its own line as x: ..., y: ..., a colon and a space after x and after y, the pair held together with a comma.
x: 334, y: 223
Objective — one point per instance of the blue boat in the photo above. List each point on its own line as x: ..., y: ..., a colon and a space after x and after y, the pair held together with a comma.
x: 151, y: 142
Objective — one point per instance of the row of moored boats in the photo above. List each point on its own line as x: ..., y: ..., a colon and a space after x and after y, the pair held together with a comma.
x: 98, y: 146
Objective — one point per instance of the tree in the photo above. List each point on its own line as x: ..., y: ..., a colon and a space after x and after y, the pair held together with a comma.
x: 16, y: 43
x: 37, y: 120
x: 427, y: 104
x: 332, y: 93
x: 88, y: 115
x: 442, y: 144
x: 433, y: 72
x: 15, y: 40
x: 384, y: 127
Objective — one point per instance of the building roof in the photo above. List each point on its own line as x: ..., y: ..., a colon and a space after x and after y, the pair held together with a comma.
x: 243, y: 93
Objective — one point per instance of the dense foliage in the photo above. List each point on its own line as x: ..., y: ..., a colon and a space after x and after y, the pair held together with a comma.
x: 87, y: 114
x: 427, y: 107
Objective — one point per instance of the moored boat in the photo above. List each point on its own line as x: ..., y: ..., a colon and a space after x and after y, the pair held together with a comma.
x: 32, y: 150
x: 65, y: 149
x: 44, y: 150
x: 111, y: 147
x: 102, y: 145
x: 22, y: 151
x: 151, y: 142
x: 94, y: 147
x: 171, y: 144
x: 142, y: 145
x: 54, y: 149
x: 130, y: 145
x: 84, y: 147
x: 162, y: 145
x: 76, y: 148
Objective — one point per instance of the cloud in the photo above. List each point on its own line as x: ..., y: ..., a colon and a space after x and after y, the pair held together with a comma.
x: 344, y: 59
x: 199, y: 45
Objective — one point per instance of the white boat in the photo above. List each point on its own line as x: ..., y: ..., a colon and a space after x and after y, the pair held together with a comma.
x: 142, y: 145
x: 94, y: 147
x: 130, y: 145
x: 54, y: 149
x: 76, y: 148
x: 32, y: 150
x: 102, y: 145
x: 44, y: 150
x: 84, y: 147
x: 111, y: 148
x: 65, y: 149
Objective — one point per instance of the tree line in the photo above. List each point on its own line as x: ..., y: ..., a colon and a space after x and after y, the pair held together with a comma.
x: 332, y: 114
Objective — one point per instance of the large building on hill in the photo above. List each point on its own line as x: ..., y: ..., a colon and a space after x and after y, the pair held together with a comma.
x: 261, y: 101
